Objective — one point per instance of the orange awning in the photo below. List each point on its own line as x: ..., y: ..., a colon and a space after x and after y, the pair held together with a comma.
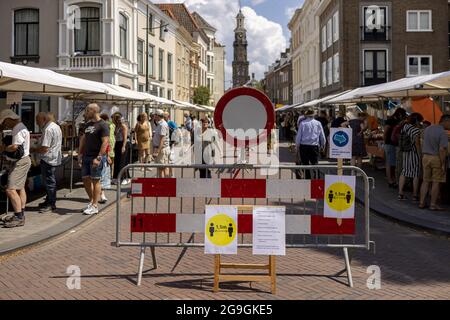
x: 429, y: 109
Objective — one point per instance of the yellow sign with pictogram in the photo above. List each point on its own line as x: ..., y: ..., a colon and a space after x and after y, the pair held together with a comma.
x: 339, y: 197
x: 221, y: 229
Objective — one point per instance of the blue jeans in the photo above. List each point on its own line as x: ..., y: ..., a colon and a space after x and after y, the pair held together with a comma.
x: 49, y: 181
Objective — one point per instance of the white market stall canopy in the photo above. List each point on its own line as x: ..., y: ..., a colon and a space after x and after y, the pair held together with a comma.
x: 188, y: 106
x: 207, y: 108
x: 17, y: 78
x: 421, y: 86
x: 286, y: 108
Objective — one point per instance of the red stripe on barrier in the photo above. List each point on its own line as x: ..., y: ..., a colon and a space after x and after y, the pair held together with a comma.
x: 329, y: 226
x: 317, y: 189
x: 156, y: 187
x: 153, y: 222
x: 243, y: 188
x: 245, y: 223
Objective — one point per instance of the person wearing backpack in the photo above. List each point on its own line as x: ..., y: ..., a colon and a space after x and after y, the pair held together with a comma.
x: 409, y: 145
x: 390, y: 146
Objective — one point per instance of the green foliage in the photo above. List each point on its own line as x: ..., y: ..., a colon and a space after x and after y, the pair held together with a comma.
x: 201, y: 96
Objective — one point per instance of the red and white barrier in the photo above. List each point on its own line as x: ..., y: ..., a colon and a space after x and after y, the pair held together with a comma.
x: 233, y: 188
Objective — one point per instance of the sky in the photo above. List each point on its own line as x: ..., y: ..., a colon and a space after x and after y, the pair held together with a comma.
x: 266, y: 24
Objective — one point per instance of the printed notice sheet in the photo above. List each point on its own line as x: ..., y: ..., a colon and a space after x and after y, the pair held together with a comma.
x: 269, y: 231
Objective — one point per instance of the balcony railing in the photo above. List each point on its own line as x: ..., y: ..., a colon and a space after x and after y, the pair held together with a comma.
x: 373, y: 77
x: 382, y: 34
x: 86, y: 62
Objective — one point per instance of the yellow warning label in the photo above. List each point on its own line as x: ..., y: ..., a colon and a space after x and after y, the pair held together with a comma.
x: 339, y: 196
x: 221, y: 230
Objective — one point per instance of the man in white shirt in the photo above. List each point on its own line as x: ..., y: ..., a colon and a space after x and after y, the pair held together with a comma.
x: 50, y: 154
x: 18, y: 152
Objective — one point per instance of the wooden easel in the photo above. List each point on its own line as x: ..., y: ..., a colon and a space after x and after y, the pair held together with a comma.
x: 270, y: 267
x: 270, y: 277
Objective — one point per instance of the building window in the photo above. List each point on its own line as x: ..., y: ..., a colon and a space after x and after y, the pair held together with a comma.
x: 151, y: 63
x: 123, y: 25
x: 26, y: 32
x: 375, y: 67
x: 336, y: 68
x: 150, y: 23
x: 141, y: 88
x: 375, y: 23
x: 330, y: 71
x: 324, y: 38
x: 169, y: 94
x: 169, y: 67
x: 419, y: 20
x: 324, y: 74
x: 140, y: 56
x: 336, y: 27
x: 161, y: 64
x: 420, y: 65
x: 329, y: 33
x: 161, y: 30
x: 87, y: 37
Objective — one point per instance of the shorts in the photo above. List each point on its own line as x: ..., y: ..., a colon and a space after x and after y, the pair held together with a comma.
x: 432, y: 169
x: 89, y: 171
x: 19, y: 173
x: 163, y: 157
x: 390, y: 152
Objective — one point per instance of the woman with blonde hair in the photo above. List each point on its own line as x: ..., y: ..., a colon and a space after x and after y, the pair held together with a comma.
x: 143, y: 136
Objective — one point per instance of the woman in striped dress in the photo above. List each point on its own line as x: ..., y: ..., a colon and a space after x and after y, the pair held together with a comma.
x: 409, y: 145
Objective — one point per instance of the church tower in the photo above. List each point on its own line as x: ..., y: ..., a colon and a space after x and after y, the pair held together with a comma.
x: 240, y: 63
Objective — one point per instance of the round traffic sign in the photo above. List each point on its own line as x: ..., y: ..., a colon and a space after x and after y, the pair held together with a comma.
x: 245, y: 116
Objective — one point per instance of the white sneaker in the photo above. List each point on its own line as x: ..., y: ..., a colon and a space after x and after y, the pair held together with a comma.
x: 91, y: 211
x: 125, y: 182
x: 103, y: 198
x: 88, y: 207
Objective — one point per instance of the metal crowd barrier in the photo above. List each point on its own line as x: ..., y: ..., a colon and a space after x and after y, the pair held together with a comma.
x: 169, y: 212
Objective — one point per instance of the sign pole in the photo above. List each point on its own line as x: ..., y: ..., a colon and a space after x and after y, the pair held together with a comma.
x: 340, y: 172
x: 216, y: 272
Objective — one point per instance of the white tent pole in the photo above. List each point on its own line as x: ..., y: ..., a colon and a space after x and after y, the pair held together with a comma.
x: 72, y: 144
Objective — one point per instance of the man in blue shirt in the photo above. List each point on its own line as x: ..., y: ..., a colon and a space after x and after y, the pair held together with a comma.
x: 310, y: 140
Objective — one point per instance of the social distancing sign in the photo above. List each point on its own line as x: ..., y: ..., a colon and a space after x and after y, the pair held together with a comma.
x: 341, y: 143
x: 221, y: 230
x: 339, y: 197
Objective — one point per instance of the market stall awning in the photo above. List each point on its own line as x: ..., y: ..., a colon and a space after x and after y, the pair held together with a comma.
x: 207, y: 108
x: 20, y: 78
x: 188, y: 106
x: 286, y: 108
x: 437, y: 84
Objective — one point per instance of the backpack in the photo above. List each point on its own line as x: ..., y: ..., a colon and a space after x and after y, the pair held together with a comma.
x: 405, y: 142
x: 16, y: 155
x: 395, y: 136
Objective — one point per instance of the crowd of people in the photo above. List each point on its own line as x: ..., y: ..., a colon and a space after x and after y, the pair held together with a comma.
x: 105, y: 146
x: 414, y: 149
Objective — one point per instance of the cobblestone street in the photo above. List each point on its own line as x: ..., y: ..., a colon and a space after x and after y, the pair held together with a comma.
x: 413, y: 266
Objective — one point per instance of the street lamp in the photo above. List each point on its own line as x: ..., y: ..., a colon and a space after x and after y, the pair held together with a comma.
x: 148, y: 28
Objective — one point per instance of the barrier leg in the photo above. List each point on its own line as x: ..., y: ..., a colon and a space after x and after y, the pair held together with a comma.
x: 155, y: 265
x: 141, y: 266
x: 348, y: 268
